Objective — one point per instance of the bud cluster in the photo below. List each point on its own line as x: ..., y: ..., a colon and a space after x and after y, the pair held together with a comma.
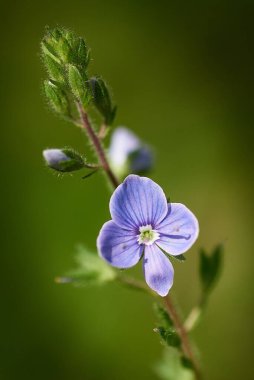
x: 70, y: 91
x: 66, y: 58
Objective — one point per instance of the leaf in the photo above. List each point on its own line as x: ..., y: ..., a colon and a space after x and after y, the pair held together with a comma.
x: 91, y: 270
x: 169, y: 336
x: 186, y: 362
x: 170, y: 367
x: 162, y: 315
x: 178, y: 257
x: 90, y: 174
x: 210, y: 267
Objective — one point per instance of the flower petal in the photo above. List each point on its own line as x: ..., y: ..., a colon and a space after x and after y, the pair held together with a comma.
x: 117, y: 246
x: 179, y: 230
x: 158, y: 270
x: 137, y: 202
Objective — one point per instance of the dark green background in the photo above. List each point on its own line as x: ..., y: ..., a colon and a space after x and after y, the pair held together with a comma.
x: 182, y: 76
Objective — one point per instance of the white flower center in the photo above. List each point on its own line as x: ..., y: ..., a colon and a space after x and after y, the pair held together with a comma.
x: 147, y: 235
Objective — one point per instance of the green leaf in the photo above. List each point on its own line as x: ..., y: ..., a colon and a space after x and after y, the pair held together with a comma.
x: 186, y: 362
x: 91, y: 270
x: 76, y: 160
x: 102, y: 99
x: 178, y: 257
x: 210, y: 267
x: 66, y: 47
x: 162, y: 316
x: 169, y: 336
x: 57, y: 98
x: 171, y: 367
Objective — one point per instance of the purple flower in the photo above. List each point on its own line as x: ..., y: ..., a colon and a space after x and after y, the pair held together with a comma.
x: 143, y: 223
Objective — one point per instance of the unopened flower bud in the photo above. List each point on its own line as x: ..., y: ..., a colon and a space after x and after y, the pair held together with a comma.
x: 63, y: 160
x: 102, y: 99
x: 128, y: 154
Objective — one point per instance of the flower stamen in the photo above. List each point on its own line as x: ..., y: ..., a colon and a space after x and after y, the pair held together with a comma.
x: 147, y: 235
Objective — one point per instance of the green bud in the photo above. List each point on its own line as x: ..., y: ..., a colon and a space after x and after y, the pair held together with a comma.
x: 55, y: 70
x: 102, y: 99
x: 56, y: 97
x: 66, y: 46
x: 63, y: 160
x: 77, y: 85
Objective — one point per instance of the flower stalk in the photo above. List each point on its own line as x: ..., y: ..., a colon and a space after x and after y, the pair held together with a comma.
x: 183, y: 335
x: 96, y: 142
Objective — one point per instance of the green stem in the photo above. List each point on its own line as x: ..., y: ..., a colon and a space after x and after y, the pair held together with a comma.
x: 195, y: 314
x: 171, y: 310
x: 96, y: 142
x: 186, y: 347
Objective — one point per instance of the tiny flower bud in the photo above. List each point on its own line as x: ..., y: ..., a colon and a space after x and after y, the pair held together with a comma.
x: 63, y: 160
x: 128, y: 154
x: 102, y: 99
x: 65, y: 47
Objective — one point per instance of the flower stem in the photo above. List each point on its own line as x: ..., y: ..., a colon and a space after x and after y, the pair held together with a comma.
x: 97, y: 145
x: 171, y: 310
x: 183, y: 335
x: 96, y: 142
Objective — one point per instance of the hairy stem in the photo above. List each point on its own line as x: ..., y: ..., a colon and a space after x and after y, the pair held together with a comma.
x: 96, y: 142
x: 135, y: 284
x: 182, y: 333
x: 97, y: 145
x: 171, y: 310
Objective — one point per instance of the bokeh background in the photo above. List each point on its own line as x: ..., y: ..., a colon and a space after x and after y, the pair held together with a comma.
x: 182, y: 76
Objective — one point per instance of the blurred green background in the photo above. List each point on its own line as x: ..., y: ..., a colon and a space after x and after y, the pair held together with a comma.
x: 182, y: 76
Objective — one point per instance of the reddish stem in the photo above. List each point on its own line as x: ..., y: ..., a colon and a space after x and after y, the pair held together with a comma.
x: 97, y: 145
